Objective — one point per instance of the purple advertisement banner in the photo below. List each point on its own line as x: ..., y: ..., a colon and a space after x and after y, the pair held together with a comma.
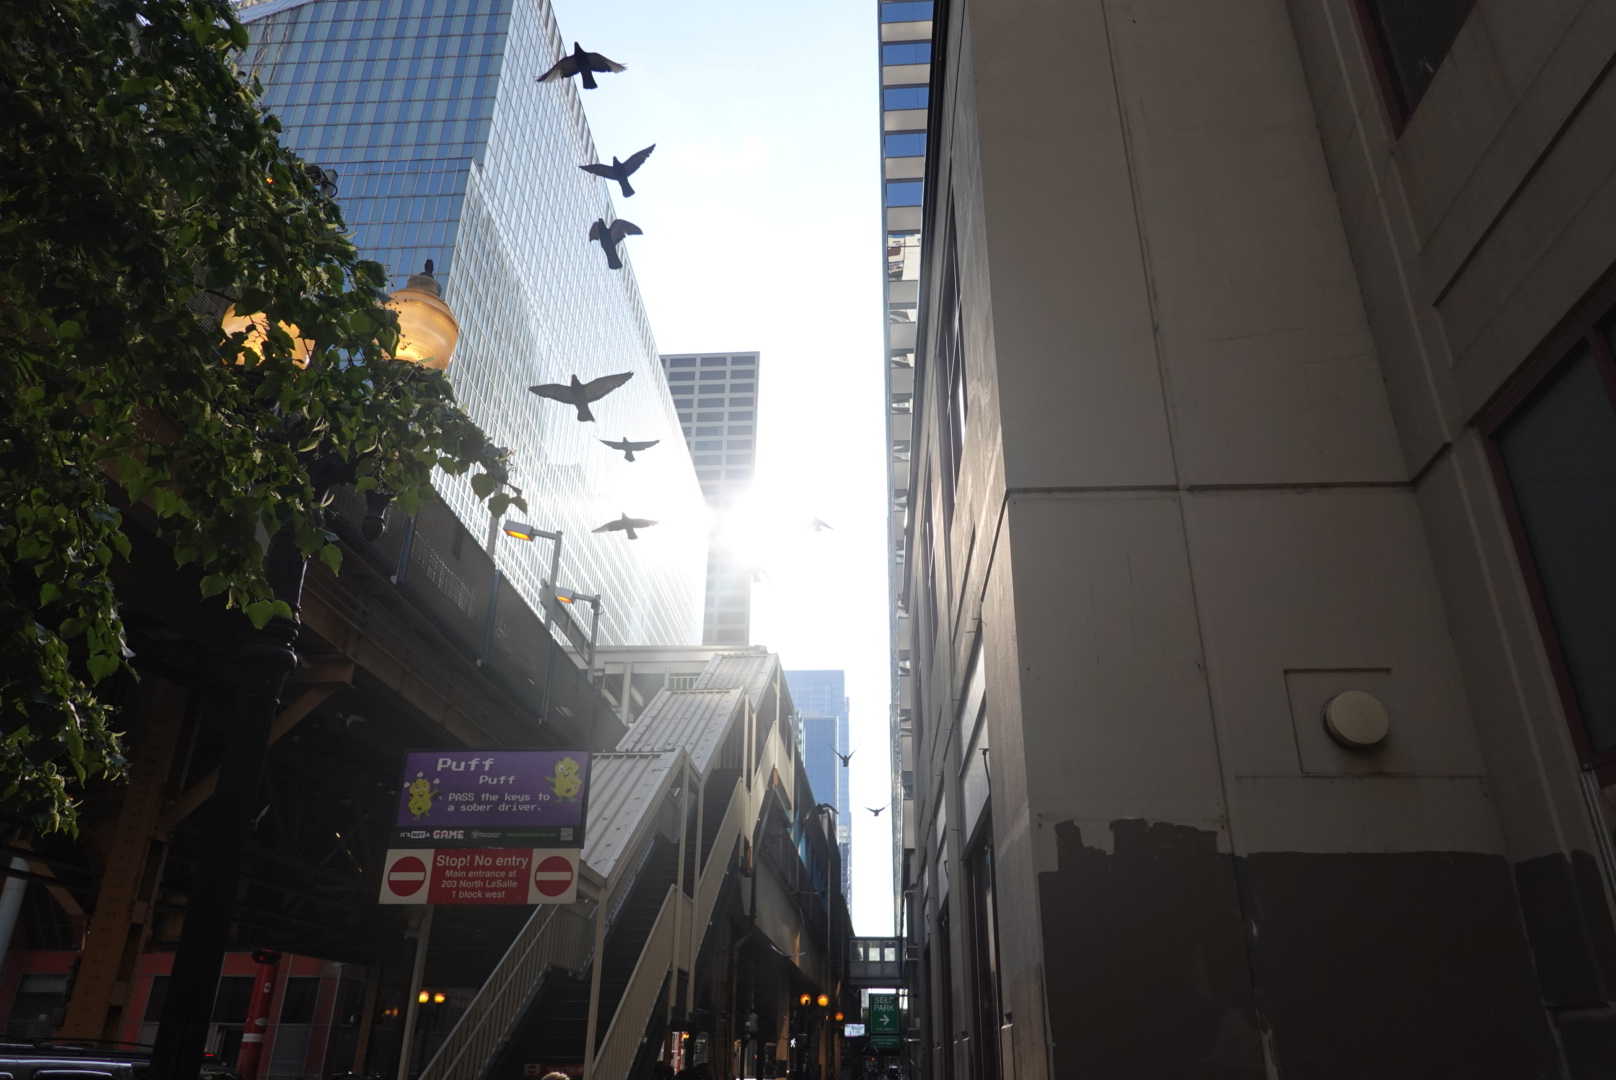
x: 492, y: 799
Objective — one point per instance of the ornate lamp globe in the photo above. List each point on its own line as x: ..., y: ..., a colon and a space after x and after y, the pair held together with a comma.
x: 428, y: 331
x: 256, y: 328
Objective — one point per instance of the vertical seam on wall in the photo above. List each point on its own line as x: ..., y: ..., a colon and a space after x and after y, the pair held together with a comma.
x: 1488, y: 574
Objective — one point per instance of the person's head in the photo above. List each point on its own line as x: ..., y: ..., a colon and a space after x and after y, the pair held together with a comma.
x: 662, y: 1071
x: 556, y: 1076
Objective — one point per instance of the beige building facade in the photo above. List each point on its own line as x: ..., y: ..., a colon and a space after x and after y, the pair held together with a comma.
x: 1262, y: 358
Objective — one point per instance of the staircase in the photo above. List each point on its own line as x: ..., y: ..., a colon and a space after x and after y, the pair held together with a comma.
x: 551, y: 1029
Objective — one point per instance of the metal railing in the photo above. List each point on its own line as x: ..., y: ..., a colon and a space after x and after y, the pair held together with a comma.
x: 554, y: 937
x: 622, y: 1042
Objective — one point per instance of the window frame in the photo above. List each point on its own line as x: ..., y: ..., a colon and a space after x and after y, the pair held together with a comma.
x: 1377, y: 45
x: 1590, y: 324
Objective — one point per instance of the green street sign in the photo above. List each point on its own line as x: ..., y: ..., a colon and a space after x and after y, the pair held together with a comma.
x: 884, y: 1015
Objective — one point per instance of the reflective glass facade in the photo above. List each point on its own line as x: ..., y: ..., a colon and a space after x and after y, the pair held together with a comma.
x: 447, y: 149
x: 715, y: 395
x: 822, y: 730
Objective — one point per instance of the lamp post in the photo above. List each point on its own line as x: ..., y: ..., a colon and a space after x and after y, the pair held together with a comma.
x: 573, y: 596
x: 428, y: 334
x: 530, y: 533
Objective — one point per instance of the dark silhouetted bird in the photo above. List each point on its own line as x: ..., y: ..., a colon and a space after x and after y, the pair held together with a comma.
x: 845, y: 757
x: 628, y: 447
x: 621, y: 170
x: 579, y: 62
x: 628, y: 525
x: 610, y: 237
x: 820, y: 526
x: 876, y: 810
x: 582, y: 393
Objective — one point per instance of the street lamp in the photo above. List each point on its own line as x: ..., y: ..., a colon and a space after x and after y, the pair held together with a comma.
x: 573, y: 596
x: 427, y: 329
x: 529, y: 533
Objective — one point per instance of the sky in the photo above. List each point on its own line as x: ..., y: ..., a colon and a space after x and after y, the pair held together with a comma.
x: 762, y: 215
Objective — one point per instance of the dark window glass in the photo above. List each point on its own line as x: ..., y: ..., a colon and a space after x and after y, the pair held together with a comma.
x: 904, y: 193
x: 155, y: 1000
x: 230, y: 1006
x: 906, y: 97
x: 910, y: 11
x: 1414, y: 37
x: 683, y: 361
x: 909, y: 52
x: 911, y: 144
x: 1560, y: 454
x: 297, y: 1005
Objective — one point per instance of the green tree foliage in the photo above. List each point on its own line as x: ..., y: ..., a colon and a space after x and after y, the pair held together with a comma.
x: 142, y: 187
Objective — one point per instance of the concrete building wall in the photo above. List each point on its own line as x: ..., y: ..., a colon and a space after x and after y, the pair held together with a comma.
x: 1226, y: 337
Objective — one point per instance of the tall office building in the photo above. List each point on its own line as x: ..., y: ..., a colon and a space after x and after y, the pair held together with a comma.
x: 446, y: 148
x: 906, y: 29
x: 823, y: 730
x: 716, y: 398
x: 1260, y: 545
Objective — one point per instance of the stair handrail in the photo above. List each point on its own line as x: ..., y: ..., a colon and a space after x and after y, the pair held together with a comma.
x: 622, y: 1042
x: 555, y: 936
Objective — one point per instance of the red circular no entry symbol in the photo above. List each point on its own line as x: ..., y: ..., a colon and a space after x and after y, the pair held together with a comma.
x: 407, y: 876
x: 553, y: 875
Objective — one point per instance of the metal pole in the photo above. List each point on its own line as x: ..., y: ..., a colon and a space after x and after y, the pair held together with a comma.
x: 549, y: 622
x: 263, y: 663
x: 412, y: 1006
x: 594, y: 987
x: 594, y: 625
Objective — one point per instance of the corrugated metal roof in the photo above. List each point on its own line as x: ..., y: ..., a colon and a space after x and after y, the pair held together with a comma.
x: 694, y: 721
x: 748, y: 670
x: 623, y: 788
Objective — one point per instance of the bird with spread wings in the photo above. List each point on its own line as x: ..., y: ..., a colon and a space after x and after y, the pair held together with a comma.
x: 845, y: 757
x: 580, y: 394
x: 628, y: 447
x: 876, y: 810
x: 609, y: 236
x: 580, y: 62
x: 626, y: 524
x: 621, y: 170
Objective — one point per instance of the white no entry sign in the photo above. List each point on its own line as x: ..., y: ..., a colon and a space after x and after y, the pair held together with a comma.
x: 404, y: 877
x: 555, y: 875
x: 480, y: 876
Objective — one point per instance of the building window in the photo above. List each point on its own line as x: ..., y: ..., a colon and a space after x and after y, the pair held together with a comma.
x: 682, y: 361
x: 905, y: 193
x: 909, y: 52
x: 908, y: 144
x: 715, y: 361
x: 905, y: 97
x: 910, y: 11
x: 1555, y: 455
x: 1408, y: 39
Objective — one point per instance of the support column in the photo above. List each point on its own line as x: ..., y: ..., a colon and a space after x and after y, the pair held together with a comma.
x: 121, y: 924
x: 723, y: 1051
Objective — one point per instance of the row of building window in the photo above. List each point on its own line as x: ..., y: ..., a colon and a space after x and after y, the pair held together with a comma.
x: 906, y: 11
x: 906, y: 52
x: 715, y: 417
x: 713, y: 361
x: 906, y: 97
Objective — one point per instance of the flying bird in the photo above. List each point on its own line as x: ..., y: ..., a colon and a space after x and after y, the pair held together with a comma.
x: 876, y: 810
x: 582, y: 393
x: 628, y: 525
x: 820, y: 526
x: 621, y: 170
x: 610, y: 236
x: 845, y: 757
x: 579, y: 62
x: 628, y: 447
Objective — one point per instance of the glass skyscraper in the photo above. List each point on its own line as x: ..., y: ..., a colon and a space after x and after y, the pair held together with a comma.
x: 716, y: 398
x: 822, y: 729
x: 446, y: 148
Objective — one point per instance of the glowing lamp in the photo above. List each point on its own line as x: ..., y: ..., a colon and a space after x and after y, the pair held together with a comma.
x: 439, y: 998
x: 256, y: 327
x: 805, y: 999
x: 427, y: 329
x: 423, y: 997
x: 824, y: 999
x: 838, y: 1018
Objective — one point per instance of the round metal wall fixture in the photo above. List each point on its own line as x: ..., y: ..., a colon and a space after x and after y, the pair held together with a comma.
x: 1356, y: 719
